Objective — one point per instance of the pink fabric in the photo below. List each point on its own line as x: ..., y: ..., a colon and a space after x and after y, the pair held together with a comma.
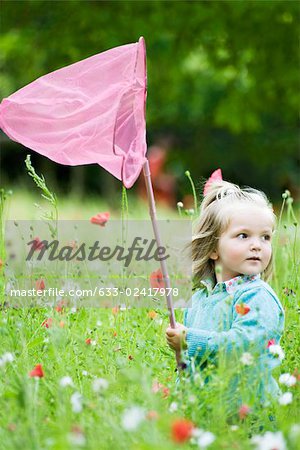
x: 92, y: 111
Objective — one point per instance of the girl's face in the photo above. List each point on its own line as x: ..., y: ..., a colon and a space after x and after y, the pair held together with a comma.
x: 244, y: 248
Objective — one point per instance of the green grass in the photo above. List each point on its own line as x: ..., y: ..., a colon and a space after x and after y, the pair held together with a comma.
x: 129, y: 351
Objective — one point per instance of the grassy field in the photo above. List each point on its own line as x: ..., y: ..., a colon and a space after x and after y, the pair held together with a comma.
x: 105, y: 378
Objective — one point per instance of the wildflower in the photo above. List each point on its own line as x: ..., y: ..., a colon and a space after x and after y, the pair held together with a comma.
x: 244, y: 410
x: 234, y: 427
x: 294, y: 433
x: 76, y: 402
x: 85, y: 373
x: 247, y: 359
x: 37, y: 244
x: 1, y: 263
x: 61, y: 324
x: 173, y: 407
x: 66, y: 381
x: 100, y: 218
x: 152, y: 314
x: 115, y: 310
x: 37, y: 371
x: 77, y: 437
x: 165, y: 392
x: 88, y: 341
x: 60, y: 306
x: 202, y: 438
x: 182, y: 430
x: 6, y: 358
x: 287, y: 379
x: 180, y: 204
x: 277, y: 351
x: 47, y: 323
x: 285, y: 399
x: 40, y: 284
x: 132, y: 418
x: 242, y: 309
x: 152, y: 415
x: 157, y: 279
x: 156, y: 386
x: 269, y: 441
x: 100, y: 384
x: 130, y: 357
x: 123, y: 307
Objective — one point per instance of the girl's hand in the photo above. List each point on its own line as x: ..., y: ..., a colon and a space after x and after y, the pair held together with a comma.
x: 176, y: 337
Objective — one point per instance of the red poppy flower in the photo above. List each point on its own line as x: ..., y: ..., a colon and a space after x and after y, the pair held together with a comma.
x: 165, y: 392
x: 157, y: 279
x: 40, y: 285
x: 152, y: 415
x: 115, y: 310
x: 100, y: 218
x: 88, y: 341
x: 47, y: 323
x: 37, y: 244
x: 1, y: 263
x: 60, y: 306
x: 242, y: 309
x: 37, y: 371
x: 271, y: 342
x: 244, y: 410
x: 182, y: 430
x: 156, y: 386
x: 152, y: 314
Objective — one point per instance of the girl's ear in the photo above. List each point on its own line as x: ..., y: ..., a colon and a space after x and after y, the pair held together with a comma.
x: 214, y: 255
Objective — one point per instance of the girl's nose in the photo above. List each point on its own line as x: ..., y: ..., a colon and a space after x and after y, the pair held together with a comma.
x: 255, y: 244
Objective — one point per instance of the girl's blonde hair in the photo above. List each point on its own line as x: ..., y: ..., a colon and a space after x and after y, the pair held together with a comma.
x: 213, y: 221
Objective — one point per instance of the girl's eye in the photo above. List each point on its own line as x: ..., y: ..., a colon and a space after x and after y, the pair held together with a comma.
x: 242, y: 236
x: 266, y: 237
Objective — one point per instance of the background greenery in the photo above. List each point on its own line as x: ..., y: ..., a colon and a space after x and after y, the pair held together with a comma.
x: 223, y: 81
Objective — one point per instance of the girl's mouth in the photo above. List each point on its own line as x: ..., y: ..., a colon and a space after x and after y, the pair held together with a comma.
x: 253, y: 258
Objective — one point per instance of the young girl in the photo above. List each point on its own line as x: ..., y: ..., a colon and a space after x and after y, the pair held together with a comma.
x: 233, y: 311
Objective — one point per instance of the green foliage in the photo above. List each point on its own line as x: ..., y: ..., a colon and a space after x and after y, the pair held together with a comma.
x: 222, y: 76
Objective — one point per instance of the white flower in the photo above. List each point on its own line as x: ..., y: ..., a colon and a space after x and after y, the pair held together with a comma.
x: 99, y: 323
x: 66, y: 381
x: 202, y: 438
x: 269, y: 441
x: 85, y: 373
x: 132, y: 418
x: 77, y: 439
x: 277, y: 351
x: 6, y: 358
x: 247, y: 359
x: 234, y: 427
x: 287, y: 379
x: 286, y: 398
x: 180, y: 204
x: 100, y: 384
x: 173, y: 407
x: 123, y: 307
x: 76, y: 402
x: 294, y: 433
x: 158, y: 320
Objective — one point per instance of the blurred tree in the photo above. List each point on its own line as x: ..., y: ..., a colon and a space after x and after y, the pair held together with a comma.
x: 223, y: 78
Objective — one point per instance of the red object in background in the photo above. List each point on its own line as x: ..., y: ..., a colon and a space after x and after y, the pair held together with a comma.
x: 37, y: 372
x: 40, y: 285
x: 100, y: 218
x: 164, y: 184
x: 182, y: 430
x: 157, y: 279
